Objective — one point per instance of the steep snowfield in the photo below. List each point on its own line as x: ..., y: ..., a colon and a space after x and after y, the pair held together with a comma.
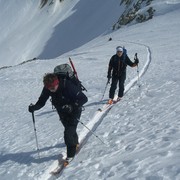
x: 25, y: 28
x: 142, y: 131
x: 28, y: 31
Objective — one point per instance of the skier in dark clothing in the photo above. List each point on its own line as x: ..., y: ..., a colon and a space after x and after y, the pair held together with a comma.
x: 117, y: 71
x: 68, y: 101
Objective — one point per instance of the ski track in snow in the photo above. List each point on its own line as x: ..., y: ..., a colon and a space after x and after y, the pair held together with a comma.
x: 98, y: 116
x: 142, y: 131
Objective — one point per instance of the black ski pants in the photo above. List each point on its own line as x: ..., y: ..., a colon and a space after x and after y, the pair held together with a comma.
x: 113, y: 87
x: 70, y: 123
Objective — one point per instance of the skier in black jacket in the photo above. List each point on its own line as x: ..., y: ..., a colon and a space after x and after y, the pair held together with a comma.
x: 117, y: 71
x: 68, y: 101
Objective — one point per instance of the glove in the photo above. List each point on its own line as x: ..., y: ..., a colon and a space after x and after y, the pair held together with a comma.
x: 67, y: 108
x: 136, y: 61
x: 31, y: 108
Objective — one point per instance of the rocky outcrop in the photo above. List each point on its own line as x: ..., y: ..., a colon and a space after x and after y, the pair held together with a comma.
x: 136, y: 11
x: 49, y: 2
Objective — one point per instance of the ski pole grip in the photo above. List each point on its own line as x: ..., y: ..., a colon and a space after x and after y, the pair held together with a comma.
x: 135, y: 56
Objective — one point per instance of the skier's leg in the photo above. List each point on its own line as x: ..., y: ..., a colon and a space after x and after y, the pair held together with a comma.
x: 71, y: 140
x: 70, y: 134
x: 122, y: 79
x: 113, y: 87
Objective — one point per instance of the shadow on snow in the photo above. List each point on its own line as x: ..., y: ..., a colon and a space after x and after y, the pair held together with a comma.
x: 31, y: 156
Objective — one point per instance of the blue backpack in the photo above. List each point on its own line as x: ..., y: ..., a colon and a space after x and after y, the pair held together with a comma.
x: 124, y: 54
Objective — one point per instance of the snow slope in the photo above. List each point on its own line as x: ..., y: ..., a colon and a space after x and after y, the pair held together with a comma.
x: 142, y: 131
x: 29, y: 31
x: 25, y: 28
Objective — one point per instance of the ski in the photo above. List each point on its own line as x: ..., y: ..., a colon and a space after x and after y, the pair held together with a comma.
x: 62, y: 163
x: 59, y: 168
x: 107, y: 106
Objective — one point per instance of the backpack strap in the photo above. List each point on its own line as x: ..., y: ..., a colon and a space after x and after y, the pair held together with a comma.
x: 62, y: 81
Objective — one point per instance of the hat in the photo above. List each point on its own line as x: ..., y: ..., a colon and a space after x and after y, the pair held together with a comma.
x: 119, y: 49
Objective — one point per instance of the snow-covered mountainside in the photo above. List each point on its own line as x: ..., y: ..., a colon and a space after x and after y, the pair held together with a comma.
x: 28, y: 31
x: 142, y: 132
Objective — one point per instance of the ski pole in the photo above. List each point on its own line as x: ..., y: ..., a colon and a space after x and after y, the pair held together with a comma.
x: 105, y: 90
x: 35, y: 134
x: 75, y: 72
x: 92, y: 132
x: 138, y: 81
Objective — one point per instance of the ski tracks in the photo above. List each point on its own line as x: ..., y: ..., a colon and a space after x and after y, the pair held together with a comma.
x: 99, y: 115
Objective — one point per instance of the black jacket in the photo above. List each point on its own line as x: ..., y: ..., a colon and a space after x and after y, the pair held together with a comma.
x: 66, y: 94
x: 118, y: 65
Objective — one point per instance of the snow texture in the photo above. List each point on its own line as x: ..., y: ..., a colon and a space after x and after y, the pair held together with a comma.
x: 142, y: 132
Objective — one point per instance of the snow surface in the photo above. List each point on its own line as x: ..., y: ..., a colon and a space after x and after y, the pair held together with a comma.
x: 53, y: 30
x: 142, y: 131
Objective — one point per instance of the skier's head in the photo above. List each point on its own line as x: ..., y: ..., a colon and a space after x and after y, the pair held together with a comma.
x: 119, y: 51
x: 51, y: 82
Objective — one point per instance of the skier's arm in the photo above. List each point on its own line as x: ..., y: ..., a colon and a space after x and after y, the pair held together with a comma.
x: 129, y: 62
x: 81, y: 99
x: 42, y: 99
x: 78, y: 98
x: 110, y: 68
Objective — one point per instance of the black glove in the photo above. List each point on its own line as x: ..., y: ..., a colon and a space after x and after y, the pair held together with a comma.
x: 136, y: 61
x: 31, y: 108
x: 67, y: 108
